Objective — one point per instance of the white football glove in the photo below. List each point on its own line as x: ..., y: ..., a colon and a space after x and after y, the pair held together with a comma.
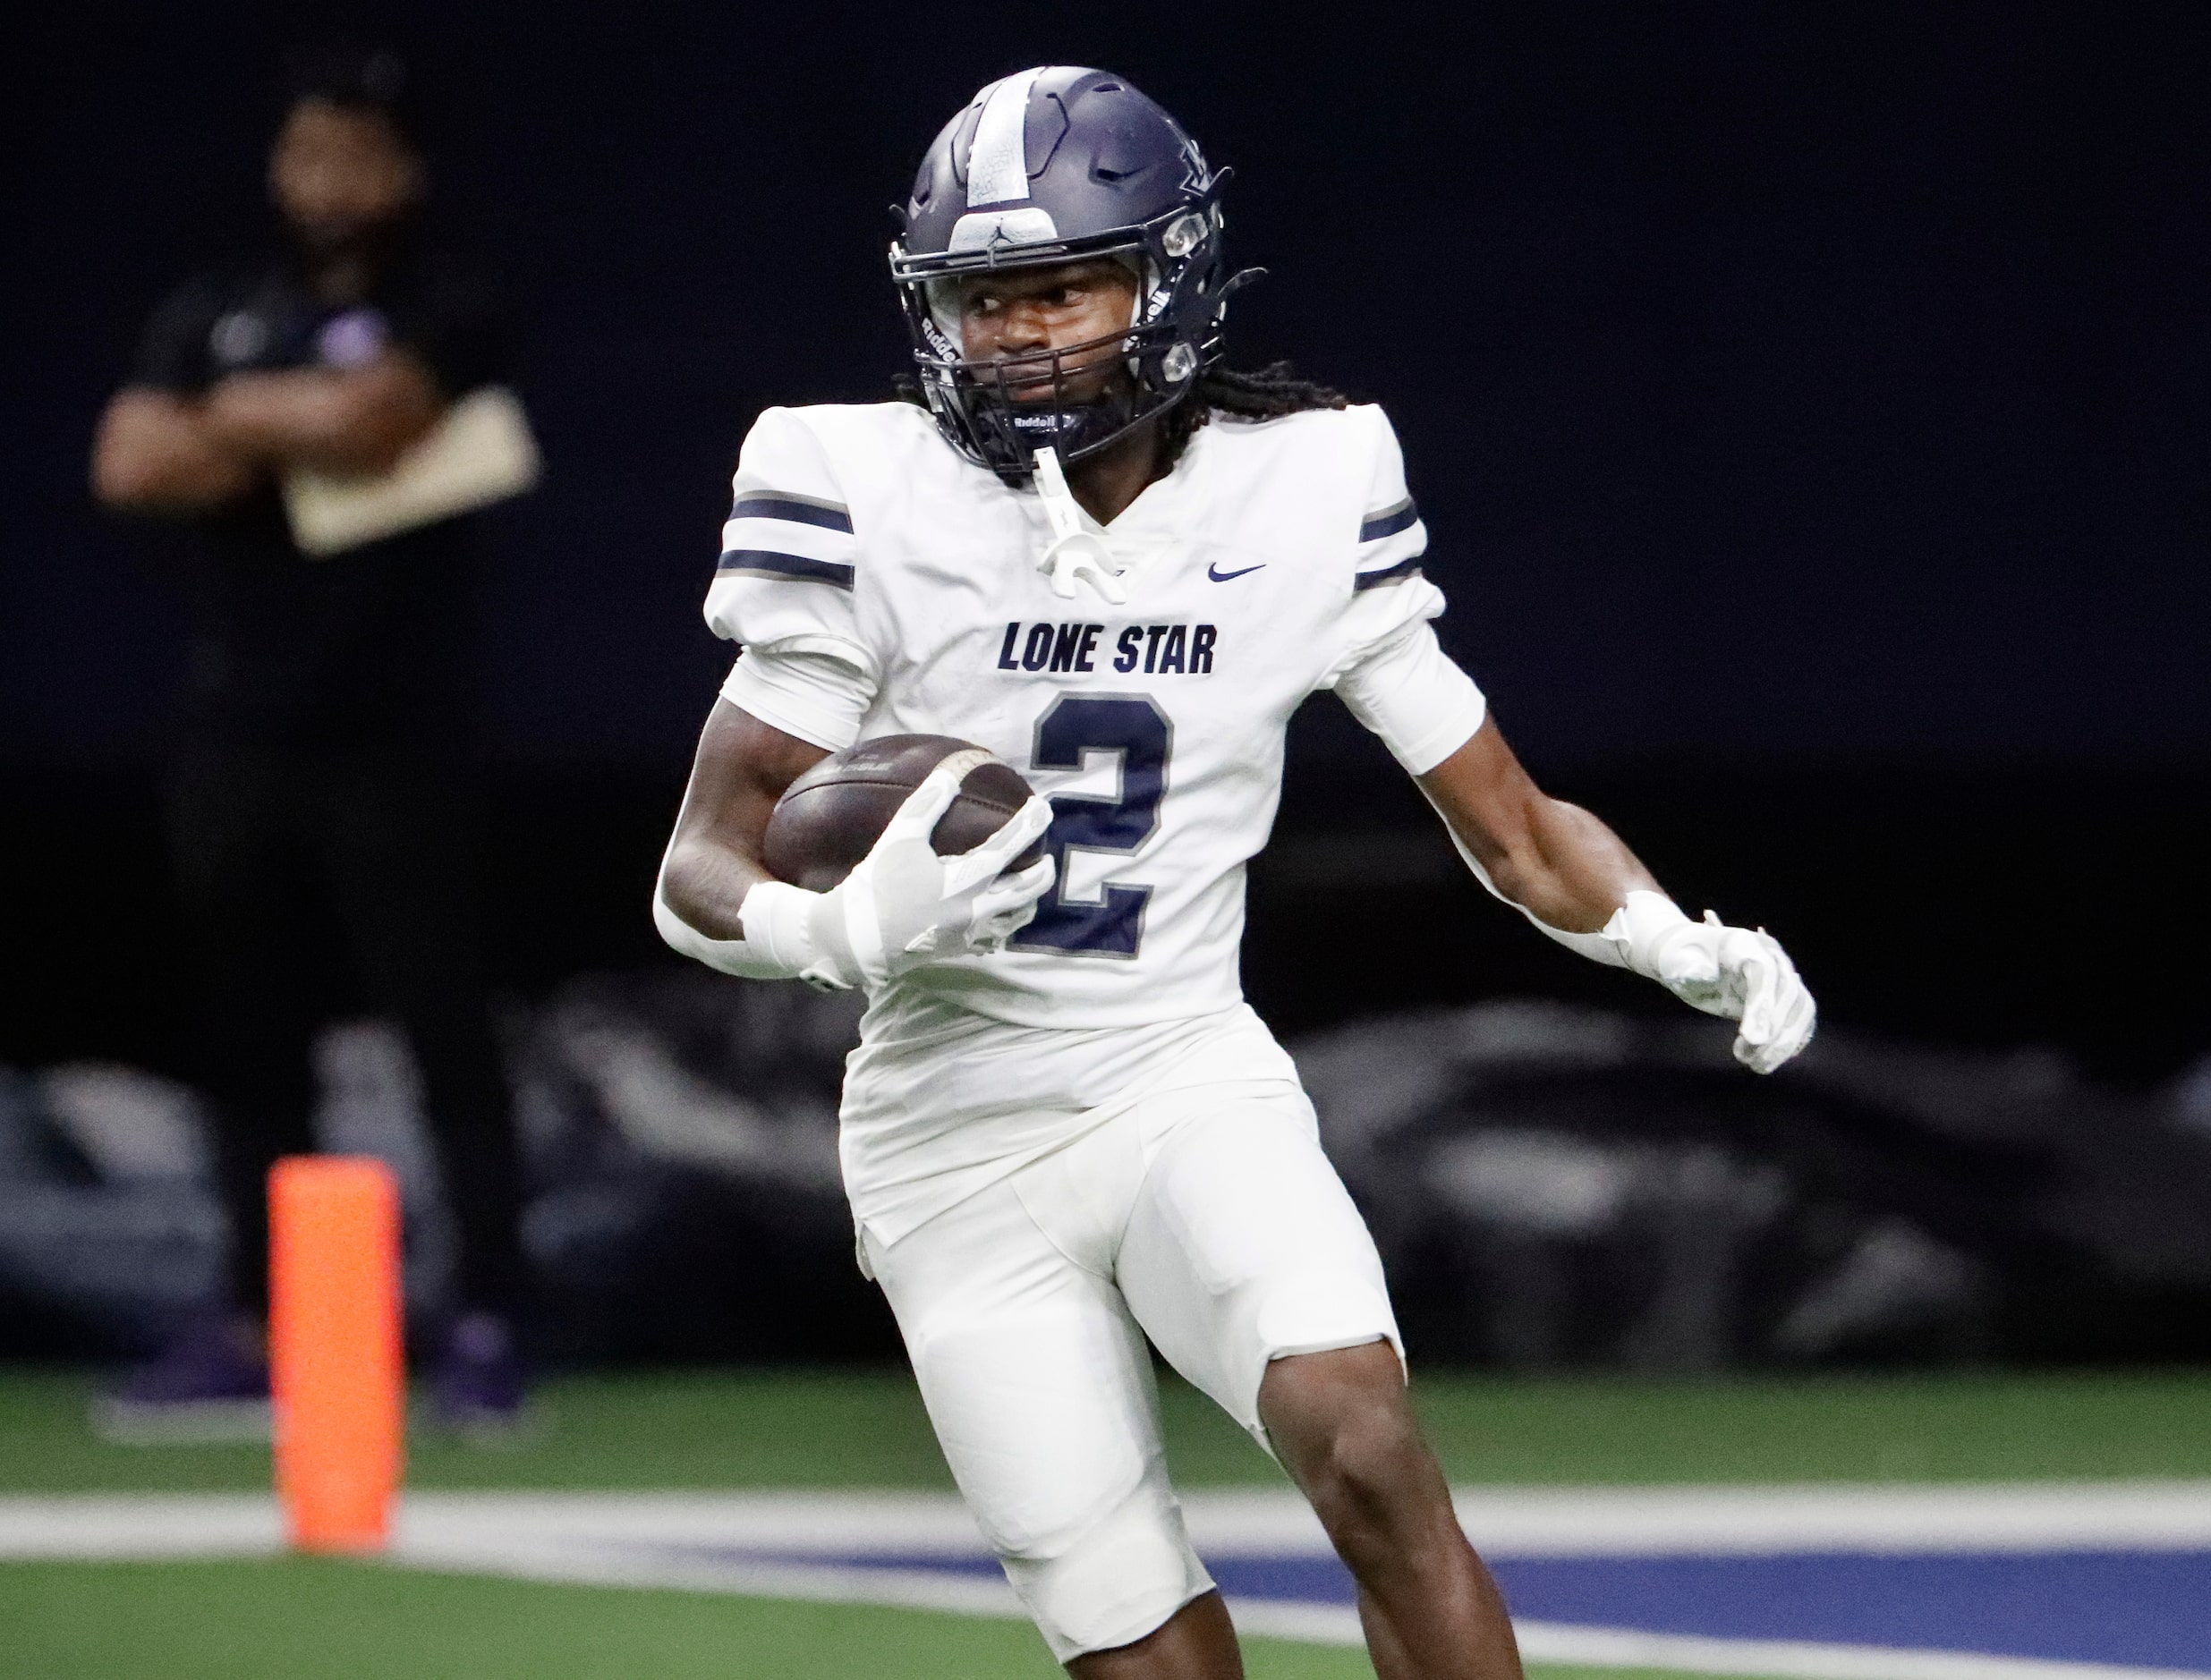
x: 903, y: 905
x: 1741, y: 973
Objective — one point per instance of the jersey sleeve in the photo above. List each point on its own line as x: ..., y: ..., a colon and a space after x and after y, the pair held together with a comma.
x: 789, y: 562
x: 1416, y: 697
x: 811, y: 696
x: 1391, y: 538
x: 1389, y: 596
x: 1389, y: 670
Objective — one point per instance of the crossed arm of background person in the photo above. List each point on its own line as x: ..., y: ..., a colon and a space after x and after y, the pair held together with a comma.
x: 162, y: 452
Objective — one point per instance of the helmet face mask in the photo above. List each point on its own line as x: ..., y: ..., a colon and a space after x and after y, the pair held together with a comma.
x: 1101, y: 172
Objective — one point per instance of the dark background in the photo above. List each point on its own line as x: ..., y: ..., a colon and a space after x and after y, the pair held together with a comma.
x: 1807, y: 405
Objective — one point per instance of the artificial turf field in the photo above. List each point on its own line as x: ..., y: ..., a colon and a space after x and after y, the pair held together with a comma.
x: 708, y: 1430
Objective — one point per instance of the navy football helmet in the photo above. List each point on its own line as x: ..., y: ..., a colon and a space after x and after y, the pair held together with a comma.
x: 1053, y: 165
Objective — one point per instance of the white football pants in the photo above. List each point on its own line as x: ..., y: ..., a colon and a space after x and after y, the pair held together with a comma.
x: 1206, y: 1218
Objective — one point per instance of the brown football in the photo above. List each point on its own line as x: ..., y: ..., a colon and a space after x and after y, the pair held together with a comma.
x: 829, y: 819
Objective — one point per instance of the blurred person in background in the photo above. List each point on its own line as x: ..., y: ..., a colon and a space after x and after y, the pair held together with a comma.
x: 316, y: 799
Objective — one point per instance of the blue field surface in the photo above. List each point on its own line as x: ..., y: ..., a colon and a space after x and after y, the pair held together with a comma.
x: 2055, y: 1582
x: 2145, y: 1609
x: 2151, y: 1610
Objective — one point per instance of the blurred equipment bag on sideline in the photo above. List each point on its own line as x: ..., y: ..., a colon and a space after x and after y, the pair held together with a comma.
x: 481, y: 451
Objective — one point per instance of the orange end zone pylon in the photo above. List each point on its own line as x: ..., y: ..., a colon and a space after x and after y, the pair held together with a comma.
x: 335, y: 1369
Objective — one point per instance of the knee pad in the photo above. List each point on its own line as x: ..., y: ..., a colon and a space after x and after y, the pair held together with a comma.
x: 1127, y: 1574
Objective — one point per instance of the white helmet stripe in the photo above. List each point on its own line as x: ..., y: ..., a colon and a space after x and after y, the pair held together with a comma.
x: 997, y: 163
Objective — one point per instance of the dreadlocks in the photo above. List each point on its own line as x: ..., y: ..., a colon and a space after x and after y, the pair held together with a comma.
x: 1269, y: 393
x: 1262, y: 393
x: 1265, y: 393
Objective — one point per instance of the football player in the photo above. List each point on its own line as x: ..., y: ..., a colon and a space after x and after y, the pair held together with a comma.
x: 1089, y: 546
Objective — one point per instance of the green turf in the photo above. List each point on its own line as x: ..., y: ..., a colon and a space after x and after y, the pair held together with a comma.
x: 718, y: 1428
x: 319, y: 1620
x: 307, y: 1620
x: 1896, y: 1428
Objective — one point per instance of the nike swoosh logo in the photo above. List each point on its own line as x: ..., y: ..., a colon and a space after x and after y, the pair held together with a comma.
x: 1222, y: 577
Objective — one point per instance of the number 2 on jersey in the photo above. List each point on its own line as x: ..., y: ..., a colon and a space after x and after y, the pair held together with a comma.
x: 1112, y: 923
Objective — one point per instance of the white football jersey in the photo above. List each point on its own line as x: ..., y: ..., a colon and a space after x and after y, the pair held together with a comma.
x: 1270, y: 561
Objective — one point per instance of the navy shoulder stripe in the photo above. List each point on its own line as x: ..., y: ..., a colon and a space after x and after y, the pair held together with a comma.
x: 1389, y: 521
x: 1397, y: 573
x: 793, y: 507
x: 765, y: 562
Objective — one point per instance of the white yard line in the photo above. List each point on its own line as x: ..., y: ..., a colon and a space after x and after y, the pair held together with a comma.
x: 929, y: 1524
x: 1655, y: 1522
x: 668, y: 1540
x: 116, y: 1526
x: 1306, y: 1623
x: 1682, y: 1653
x: 1506, y: 1522
x: 606, y: 1566
x: 1790, y: 1659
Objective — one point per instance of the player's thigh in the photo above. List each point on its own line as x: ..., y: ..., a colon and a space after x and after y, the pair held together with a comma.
x: 1036, y: 1379
x: 1244, y: 1247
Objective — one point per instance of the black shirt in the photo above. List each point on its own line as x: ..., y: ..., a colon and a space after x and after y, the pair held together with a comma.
x: 373, y: 647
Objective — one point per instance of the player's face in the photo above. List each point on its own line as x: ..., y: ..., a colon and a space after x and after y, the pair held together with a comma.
x: 1021, y: 311
x: 337, y: 174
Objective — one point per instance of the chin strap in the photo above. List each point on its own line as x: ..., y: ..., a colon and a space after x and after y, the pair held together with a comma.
x: 1076, y: 556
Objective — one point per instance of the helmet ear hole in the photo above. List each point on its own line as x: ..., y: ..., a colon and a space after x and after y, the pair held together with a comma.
x: 942, y: 299
x: 1145, y: 273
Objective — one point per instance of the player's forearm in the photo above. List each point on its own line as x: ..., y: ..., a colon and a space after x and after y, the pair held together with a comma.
x: 698, y: 909
x: 1574, y: 880
x: 1554, y: 860
x: 1565, y: 868
x: 704, y: 884
x: 714, y: 858
x: 155, y: 454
